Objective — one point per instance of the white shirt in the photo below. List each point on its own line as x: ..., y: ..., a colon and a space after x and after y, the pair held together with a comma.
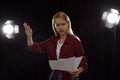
x: 59, y: 45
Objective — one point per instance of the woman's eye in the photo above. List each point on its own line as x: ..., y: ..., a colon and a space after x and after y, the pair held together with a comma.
x: 57, y: 24
x: 63, y: 24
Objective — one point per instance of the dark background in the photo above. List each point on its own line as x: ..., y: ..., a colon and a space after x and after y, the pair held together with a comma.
x: 100, y: 44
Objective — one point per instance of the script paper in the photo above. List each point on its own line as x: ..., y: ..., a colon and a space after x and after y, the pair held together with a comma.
x: 68, y: 64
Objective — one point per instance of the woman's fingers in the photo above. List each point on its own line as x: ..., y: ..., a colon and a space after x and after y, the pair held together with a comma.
x: 28, y: 30
x: 75, y: 72
x: 26, y: 26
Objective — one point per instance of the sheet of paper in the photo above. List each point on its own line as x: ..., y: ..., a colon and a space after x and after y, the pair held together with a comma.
x: 68, y: 64
x: 77, y: 62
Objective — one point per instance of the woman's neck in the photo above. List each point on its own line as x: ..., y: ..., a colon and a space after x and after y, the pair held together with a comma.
x: 62, y: 38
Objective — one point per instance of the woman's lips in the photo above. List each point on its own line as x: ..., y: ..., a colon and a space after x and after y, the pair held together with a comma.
x: 61, y: 31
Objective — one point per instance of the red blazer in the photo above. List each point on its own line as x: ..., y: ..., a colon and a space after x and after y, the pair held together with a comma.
x: 71, y: 47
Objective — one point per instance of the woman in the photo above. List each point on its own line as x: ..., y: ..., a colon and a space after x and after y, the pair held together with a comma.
x: 63, y: 44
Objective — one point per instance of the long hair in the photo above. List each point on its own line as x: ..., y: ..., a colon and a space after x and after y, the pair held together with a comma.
x: 66, y: 18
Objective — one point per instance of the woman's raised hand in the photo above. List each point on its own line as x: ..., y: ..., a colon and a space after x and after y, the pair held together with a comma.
x: 28, y: 30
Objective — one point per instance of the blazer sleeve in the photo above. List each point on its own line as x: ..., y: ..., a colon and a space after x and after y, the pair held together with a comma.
x: 80, y: 52
x: 40, y: 47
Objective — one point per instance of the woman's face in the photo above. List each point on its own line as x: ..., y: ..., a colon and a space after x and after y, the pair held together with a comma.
x: 61, y: 26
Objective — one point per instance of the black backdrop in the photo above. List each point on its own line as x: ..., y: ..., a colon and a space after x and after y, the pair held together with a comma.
x: 98, y: 41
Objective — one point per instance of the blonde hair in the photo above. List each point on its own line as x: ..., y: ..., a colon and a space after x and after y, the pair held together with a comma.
x: 66, y: 18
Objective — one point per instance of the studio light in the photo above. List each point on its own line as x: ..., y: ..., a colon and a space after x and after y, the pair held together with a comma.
x: 10, y: 29
x: 111, y: 18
